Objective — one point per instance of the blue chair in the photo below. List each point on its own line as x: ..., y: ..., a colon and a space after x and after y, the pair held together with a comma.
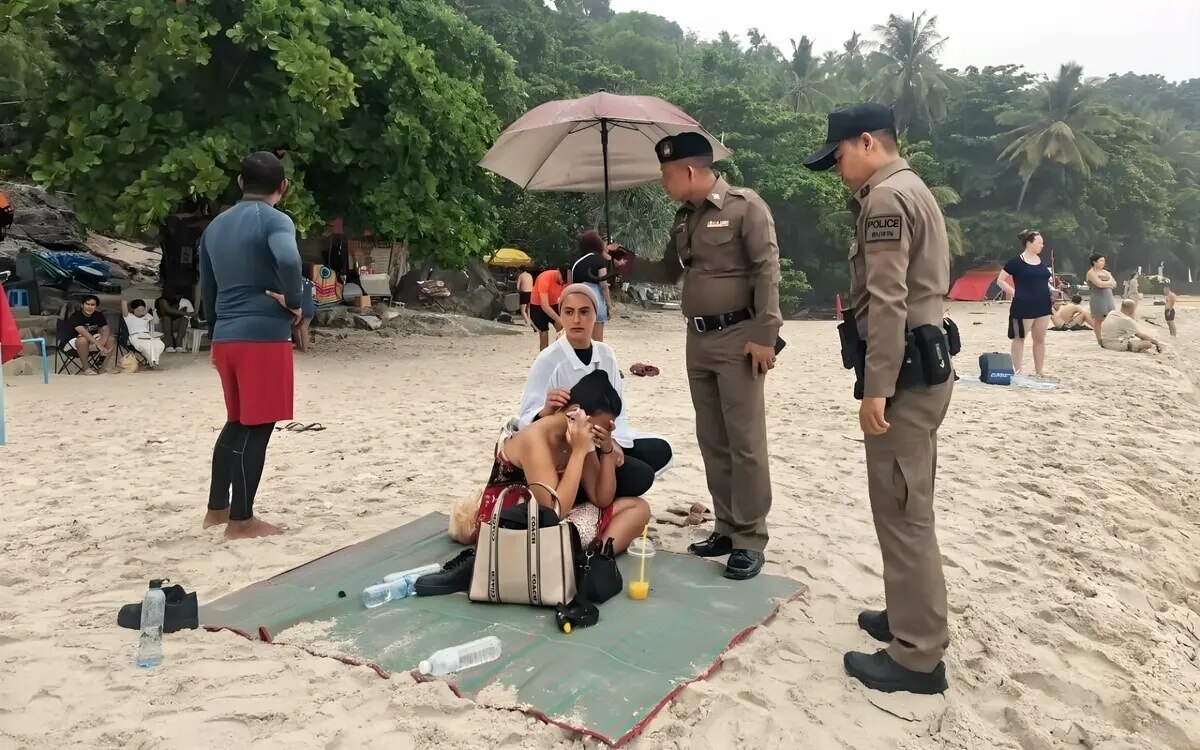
x: 18, y: 298
x: 41, y: 343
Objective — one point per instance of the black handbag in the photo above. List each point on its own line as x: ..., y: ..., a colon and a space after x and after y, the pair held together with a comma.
x: 598, y: 578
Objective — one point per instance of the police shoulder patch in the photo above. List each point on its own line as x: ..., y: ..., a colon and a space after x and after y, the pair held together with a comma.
x: 883, y: 228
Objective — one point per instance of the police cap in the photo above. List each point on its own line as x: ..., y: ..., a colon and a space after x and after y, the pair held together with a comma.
x: 846, y: 123
x: 682, y: 146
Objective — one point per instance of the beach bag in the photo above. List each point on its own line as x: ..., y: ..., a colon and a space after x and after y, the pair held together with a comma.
x: 534, y: 565
x: 996, y: 368
x: 127, y: 363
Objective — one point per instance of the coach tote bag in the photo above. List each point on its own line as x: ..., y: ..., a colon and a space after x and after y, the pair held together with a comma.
x: 534, y: 566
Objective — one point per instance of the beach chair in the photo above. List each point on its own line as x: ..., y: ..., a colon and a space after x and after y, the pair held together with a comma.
x: 67, y: 360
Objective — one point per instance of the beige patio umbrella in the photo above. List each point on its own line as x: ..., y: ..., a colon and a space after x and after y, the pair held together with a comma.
x: 596, y: 144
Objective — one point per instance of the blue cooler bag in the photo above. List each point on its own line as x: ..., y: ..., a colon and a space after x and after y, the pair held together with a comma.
x: 996, y: 368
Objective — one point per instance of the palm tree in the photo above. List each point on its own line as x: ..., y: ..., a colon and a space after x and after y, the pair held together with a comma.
x: 853, y: 58
x: 641, y: 218
x: 1057, y: 129
x: 906, y: 74
x: 807, y: 91
x: 1171, y: 139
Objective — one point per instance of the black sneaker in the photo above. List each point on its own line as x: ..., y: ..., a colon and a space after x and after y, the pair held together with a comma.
x: 875, y: 622
x: 879, y: 671
x: 715, y: 546
x: 454, y: 577
x: 182, y: 612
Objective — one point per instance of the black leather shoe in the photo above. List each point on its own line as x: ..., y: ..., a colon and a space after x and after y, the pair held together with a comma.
x: 743, y: 564
x: 454, y: 577
x: 715, y: 546
x: 182, y: 612
x: 875, y: 622
x: 879, y: 671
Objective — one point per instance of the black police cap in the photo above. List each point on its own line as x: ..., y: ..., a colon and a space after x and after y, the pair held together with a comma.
x: 682, y: 146
x: 850, y: 122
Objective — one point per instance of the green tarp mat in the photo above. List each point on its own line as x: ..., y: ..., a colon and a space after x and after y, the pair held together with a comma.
x: 605, y: 681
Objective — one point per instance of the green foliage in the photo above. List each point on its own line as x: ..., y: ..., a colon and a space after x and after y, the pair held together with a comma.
x: 793, y: 285
x: 388, y: 105
x: 385, y: 109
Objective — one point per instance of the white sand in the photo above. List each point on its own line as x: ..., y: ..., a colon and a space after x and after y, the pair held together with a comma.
x: 1074, y: 586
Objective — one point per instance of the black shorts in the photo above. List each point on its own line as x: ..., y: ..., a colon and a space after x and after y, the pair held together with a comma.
x: 540, y: 319
x: 1169, y: 315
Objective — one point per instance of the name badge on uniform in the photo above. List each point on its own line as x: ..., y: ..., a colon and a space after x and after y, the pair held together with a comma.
x: 718, y: 224
x: 886, y: 228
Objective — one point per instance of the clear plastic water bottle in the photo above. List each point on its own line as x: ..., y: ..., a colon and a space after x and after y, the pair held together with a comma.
x: 415, y: 572
x: 464, y: 656
x: 154, y: 611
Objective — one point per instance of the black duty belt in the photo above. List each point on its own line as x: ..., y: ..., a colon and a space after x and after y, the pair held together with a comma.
x: 706, y: 323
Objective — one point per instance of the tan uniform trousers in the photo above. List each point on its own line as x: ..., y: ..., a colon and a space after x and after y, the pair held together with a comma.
x: 731, y: 428
x: 901, y: 466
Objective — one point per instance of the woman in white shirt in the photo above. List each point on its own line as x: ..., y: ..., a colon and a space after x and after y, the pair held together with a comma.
x: 564, y: 363
x: 139, y: 322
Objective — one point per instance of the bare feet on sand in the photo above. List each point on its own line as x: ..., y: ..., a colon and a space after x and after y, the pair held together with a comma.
x: 216, y: 518
x: 251, y: 529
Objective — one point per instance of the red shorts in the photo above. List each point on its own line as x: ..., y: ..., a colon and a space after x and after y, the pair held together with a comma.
x: 258, y: 379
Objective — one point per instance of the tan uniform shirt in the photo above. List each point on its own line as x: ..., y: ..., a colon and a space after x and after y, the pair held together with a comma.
x: 899, y: 268
x: 727, y: 253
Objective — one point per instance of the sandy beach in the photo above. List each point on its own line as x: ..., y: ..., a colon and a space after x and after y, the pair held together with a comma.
x: 1069, y: 522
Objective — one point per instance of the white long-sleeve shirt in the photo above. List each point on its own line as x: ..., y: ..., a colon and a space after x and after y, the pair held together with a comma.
x: 559, y: 367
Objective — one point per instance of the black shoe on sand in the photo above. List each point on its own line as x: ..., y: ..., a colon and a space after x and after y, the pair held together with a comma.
x: 455, y: 576
x: 875, y: 622
x: 715, y: 546
x: 879, y: 671
x: 744, y: 564
x: 182, y: 613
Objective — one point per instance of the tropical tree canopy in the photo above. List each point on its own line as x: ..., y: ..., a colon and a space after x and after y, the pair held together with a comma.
x: 386, y: 107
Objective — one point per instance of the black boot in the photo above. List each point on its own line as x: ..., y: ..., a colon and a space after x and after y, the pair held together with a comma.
x: 182, y: 612
x: 454, y: 577
x: 875, y: 622
x: 744, y: 564
x: 879, y: 671
x: 715, y: 546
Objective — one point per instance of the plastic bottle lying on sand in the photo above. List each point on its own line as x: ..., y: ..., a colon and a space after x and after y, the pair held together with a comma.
x: 463, y: 656
x: 395, y: 586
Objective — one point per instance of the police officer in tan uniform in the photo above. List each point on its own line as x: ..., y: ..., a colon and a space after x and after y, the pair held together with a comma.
x: 899, y: 276
x: 723, y: 245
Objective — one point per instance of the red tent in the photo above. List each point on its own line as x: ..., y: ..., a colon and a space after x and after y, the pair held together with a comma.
x: 976, y: 285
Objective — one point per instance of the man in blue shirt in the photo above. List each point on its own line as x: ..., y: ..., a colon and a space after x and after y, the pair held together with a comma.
x: 250, y: 283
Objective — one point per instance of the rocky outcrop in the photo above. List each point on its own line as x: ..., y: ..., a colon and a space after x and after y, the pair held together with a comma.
x: 44, y: 218
x: 473, y: 292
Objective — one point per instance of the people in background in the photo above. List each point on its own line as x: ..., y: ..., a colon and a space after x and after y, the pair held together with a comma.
x: 1169, y: 299
x: 1131, y: 288
x: 592, y: 268
x: 639, y: 457
x: 1122, y: 334
x: 175, y: 313
x: 1027, y: 279
x: 139, y: 323
x: 1071, y: 316
x: 547, y: 290
x: 524, y: 294
x: 92, y: 334
x: 308, y: 309
x: 1101, y: 302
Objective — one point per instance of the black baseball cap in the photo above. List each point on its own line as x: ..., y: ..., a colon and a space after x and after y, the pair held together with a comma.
x: 850, y: 122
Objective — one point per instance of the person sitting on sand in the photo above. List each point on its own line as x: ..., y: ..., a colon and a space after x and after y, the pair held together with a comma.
x: 1121, y: 332
x: 139, y: 322
x: 1071, y: 316
x: 571, y: 451
x: 639, y: 458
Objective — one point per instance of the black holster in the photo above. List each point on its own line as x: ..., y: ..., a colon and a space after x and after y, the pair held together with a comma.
x: 927, y: 353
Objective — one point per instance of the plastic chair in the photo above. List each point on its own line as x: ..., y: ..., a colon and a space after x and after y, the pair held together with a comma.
x: 18, y: 298
x: 41, y: 343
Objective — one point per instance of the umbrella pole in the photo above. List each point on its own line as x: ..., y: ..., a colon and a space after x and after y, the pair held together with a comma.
x: 604, y: 152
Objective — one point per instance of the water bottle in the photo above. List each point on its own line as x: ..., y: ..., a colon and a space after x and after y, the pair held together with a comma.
x: 415, y: 572
x: 464, y: 656
x: 154, y: 610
